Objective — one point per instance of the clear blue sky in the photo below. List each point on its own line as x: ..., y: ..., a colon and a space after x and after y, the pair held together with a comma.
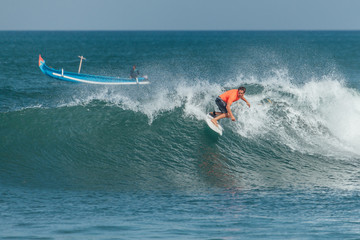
x: 179, y: 14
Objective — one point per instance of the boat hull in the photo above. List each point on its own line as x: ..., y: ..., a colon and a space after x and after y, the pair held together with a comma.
x: 85, y: 78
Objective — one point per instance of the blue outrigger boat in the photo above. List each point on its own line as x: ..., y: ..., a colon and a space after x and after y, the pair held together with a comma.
x: 85, y: 78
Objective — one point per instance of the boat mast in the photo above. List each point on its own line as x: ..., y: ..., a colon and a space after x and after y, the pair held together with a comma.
x: 81, y: 58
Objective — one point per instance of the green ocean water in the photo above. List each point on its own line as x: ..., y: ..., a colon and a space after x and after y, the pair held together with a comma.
x: 80, y: 161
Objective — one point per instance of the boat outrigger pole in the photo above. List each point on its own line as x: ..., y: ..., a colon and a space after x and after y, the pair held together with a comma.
x: 81, y: 58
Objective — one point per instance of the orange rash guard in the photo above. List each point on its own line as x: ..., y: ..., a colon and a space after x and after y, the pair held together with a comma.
x: 230, y: 96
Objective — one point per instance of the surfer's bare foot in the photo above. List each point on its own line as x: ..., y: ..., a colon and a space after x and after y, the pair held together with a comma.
x: 215, y: 122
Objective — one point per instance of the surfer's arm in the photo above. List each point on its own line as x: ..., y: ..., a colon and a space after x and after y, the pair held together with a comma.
x: 247, y: 103
x: 229, y: 112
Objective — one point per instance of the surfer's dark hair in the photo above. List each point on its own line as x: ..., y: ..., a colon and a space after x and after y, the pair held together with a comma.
x: 242, y: 89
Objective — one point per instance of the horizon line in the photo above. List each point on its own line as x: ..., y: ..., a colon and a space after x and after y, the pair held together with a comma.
x: 178, y: 30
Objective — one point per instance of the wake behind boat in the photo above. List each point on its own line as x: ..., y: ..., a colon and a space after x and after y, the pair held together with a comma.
x: 85, y: 78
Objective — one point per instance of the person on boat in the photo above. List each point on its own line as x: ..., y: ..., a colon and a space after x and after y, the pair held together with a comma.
x: 224, y: 102
x: 134, y: 73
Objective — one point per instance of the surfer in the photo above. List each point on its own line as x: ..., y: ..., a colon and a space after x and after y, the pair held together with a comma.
x: 224, y: 102
x: 134, y: 73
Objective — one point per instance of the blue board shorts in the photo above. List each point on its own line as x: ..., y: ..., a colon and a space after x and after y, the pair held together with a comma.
x: 221, y: 104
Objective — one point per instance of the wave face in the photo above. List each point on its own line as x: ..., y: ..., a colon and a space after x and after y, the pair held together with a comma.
x: 301, y: 131
x: 291, y: 135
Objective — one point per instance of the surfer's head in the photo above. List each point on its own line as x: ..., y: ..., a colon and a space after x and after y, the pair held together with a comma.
x: 241, y: 91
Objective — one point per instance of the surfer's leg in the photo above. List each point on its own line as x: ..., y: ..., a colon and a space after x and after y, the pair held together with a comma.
x: 215, y: 114
x: 222, y: 107
x: 221, y: 116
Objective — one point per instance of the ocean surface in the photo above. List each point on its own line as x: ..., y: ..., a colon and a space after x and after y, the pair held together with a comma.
x: 81, y: 161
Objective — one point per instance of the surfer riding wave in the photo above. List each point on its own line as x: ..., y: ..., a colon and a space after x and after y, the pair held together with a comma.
x: 224, y: 102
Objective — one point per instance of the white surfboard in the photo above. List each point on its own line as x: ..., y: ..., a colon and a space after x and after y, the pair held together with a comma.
x: 213, y: 127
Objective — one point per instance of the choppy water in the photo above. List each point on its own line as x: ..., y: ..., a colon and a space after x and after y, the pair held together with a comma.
x: 137, y: 162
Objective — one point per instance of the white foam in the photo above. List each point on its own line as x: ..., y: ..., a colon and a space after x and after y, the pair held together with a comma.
x: 338, y: 108
x: 322, y: 116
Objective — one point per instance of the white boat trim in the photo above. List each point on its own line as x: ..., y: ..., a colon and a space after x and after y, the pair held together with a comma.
x: 102, y: 83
